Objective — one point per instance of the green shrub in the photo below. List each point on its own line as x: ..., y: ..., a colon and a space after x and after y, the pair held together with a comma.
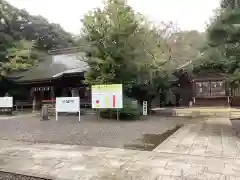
x: 130, y: 111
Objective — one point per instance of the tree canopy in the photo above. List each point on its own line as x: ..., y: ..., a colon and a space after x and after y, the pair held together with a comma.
x: 24, y: 37
x: 123, y: 46
x: 120, y: 44
x: 222, y: 48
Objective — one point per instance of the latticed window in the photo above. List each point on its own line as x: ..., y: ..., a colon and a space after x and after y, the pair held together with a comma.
x: 203, y: 89
x: 210, y: 89
x: 236, y: 91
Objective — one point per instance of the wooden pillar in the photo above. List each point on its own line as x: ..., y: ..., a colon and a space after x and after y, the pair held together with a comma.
x: 228, y: 88
x: 51, y: 106
x: 193, y: 91
x: 73, y: 92
x: 41, y: 98
x: 34, y: 100
x: 52, y: 93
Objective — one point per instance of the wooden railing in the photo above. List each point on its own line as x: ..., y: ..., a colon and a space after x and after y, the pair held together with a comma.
x: 51, y: 105
x: 20, y: 104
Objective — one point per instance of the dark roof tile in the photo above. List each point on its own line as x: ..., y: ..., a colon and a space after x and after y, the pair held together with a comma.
x: 52, y: 67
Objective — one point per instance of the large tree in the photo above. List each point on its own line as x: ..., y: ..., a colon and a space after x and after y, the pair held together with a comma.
x: 231, y: 3
x: 121, y: 44
x: 222, y: 50
x: 123, y: 47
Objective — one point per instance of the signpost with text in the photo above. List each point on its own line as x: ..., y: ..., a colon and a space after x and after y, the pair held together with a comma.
x: 6, y: 105
x: 68, y: 104
x: 145, y: 113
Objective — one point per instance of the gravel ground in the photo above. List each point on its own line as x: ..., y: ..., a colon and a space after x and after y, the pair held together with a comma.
x: 89, y: 132
x: 11, y: 176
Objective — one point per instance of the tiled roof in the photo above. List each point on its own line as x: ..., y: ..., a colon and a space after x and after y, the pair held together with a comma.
x: 52, y: 67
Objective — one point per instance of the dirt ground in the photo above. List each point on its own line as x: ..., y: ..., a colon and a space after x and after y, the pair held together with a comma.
x: 89, y: 132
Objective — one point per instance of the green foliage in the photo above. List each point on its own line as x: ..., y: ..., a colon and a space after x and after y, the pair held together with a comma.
x: 221, y: 54
x: 24, y: 38
x: 130, y: 111
x: 229, y: 3
x: 21, y: 25
x: 19, y: 56
x: 212, y: 60
x: 185, y: 47
x: 122, y: 48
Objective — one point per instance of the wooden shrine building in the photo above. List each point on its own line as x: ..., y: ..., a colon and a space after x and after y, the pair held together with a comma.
x: 211, y: 89
x: 61, y: 74
x: 207, y: 89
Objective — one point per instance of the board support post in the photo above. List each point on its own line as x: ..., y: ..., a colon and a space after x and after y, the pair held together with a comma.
x: 98, y: 114
x: 117, y: 114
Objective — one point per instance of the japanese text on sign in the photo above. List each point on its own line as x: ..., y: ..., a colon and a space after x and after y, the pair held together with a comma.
x: 67, y: 101
x: 67, y: 104
x: 145, y: 108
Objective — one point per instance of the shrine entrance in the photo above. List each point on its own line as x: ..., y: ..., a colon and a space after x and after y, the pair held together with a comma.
x: 211, y: 90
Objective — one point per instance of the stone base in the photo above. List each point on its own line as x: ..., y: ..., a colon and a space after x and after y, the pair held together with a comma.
x: 199, y: 112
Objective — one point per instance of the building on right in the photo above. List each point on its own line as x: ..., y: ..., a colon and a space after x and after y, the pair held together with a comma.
x: 206, y: 89
x: 211, y: 89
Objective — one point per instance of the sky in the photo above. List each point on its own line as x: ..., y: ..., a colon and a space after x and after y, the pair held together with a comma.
x: 187, y: 14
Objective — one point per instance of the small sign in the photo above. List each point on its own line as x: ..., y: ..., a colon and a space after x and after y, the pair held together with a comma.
x: 107, y: 96
x: 67, y: 104
x: 145, y: 108
x: 6, y: 102
x: 6, y: 105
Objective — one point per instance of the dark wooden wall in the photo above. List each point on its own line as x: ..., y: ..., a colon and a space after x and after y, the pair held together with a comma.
x: 220, y: 101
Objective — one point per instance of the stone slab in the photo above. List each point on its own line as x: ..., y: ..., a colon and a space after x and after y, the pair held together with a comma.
x: 214, y: 137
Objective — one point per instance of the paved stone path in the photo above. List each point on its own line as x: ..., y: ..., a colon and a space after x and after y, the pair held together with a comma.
x: 214, y: 138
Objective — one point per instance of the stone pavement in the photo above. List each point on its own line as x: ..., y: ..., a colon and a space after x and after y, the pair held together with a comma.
x: 214, y: 138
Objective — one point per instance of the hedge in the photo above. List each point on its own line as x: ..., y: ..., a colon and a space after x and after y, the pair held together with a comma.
x: 130, y: 111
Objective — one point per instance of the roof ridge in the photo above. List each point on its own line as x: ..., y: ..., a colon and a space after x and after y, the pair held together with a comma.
x: 64, y: 50
x: 185, y: 64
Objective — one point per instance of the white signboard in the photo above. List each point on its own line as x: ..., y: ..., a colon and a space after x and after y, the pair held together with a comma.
x: 107, y: 96
x: 6, y: 102
x: 67, y: 104
x: 145, y: 108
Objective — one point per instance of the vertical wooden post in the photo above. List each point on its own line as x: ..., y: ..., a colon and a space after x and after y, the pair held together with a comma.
x: 41, y: 97
x: 193, y: 92
x: 52, y: 97
x: 52, y: 93
x: 98, y: 114
x: 230, y: 93
x: 117, y: 114
x: 34, y: 101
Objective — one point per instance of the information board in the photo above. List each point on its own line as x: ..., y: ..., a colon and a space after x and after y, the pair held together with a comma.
x: 67, y: 104
x: 6, y: 102
x: 6, y: 105
x: 107, y: 96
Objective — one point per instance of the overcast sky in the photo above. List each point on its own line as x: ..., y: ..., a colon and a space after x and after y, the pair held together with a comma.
x: 188, y: 14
